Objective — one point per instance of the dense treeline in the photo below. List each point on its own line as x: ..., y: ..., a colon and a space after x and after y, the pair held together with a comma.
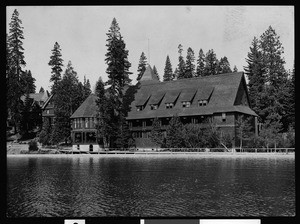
x: 271, y: 89
x: 206, y: 64
x: 68, y: 92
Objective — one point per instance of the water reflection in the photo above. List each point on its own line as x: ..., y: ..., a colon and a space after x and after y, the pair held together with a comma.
x: 150, y: 186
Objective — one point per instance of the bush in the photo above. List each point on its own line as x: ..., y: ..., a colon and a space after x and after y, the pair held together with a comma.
x: 33, y: 146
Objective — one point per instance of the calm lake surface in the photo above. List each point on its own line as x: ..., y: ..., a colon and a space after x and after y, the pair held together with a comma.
x: 83, y: 185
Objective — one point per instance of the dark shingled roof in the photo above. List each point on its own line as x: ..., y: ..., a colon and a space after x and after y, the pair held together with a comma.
x: 221, y: 90
x: 87, y: 109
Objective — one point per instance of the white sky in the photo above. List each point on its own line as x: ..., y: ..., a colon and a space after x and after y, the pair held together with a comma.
x: 81, y: 33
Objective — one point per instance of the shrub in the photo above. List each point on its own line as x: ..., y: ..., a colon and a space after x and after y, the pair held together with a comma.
x: 33, y: 145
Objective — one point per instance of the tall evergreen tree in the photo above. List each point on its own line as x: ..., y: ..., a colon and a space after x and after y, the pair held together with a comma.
x: 118, y: 73
x: 141, y: 66
x: 224, y: 66
x: 168, y: 71
x: 200, y: 64
x: 211, y: 63
x: 15, y: 64
x: 155, y: 72
x: 276, y: 76
x: 56, y: 63
x: 68, y: 97
x: 190, y: 66
x: 105, y: 115
x: 272, y: 51
x: 255, y: 71
x: 181, y: 64
x: 117, y: 61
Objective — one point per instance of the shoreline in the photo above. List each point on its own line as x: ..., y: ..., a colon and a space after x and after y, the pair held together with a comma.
x: 161, y: 154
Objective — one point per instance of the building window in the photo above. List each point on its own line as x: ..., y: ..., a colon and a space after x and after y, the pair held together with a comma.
x: 186, y: 104
x: 47, y: 111
x: 169, y: 105
x: 74, y: 122
x: 202, y: 103
x: 139, y: 108
x: 87, y: 122
x: 223, y: 117
x: 153, y: 106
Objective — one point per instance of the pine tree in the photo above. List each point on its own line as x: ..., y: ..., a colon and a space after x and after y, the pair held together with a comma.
x: 156, y: 134
x: 272, y: 51
x: 68, y: 97
x: 86, y: 88
x: 27, y: 82
x: 56, y: 63
x: 224, y: 66
x: 235, y: 69
x: 41, y: 90
x: 155, y: 72
x: 105, y: 114
x: 189, y: 67
x: 118, y: 74
x: 255, y: 71
x: 141, y: 66
x: 174, y: 137
x: 276, y: 76
x: 175, y: 74
x: 168, y: 71
x: 211, y: 63
x: 200, y: 64
x: 181, y: 64
x: 15, y: 63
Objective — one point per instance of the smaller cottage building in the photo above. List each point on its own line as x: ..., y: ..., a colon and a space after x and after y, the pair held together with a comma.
x: 83, y: 126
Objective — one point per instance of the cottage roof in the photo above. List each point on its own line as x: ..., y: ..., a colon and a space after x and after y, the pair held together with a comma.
x: 87, y: 109
x: 43, y: 96
x: 220, y: 91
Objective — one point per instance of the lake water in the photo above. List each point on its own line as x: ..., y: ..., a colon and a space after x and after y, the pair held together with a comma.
x: 93, y: 186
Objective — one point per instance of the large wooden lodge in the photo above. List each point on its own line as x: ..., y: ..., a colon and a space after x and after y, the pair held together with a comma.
x: 222, y: 98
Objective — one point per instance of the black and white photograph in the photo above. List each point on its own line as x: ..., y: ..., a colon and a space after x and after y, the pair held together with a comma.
x: 150, y: 112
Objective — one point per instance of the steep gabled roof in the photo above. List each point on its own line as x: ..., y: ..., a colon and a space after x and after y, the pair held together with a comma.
x: 87, y: 109
x: 47, y: 101
x: 149, y: 76
x: 221, y: 91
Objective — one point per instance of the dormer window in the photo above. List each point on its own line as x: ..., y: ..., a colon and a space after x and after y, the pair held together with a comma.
x: 169, y: 105
x: 186, y: 104
x: 153, y: 106
x: 139, y: 108
x: 202, y: 103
